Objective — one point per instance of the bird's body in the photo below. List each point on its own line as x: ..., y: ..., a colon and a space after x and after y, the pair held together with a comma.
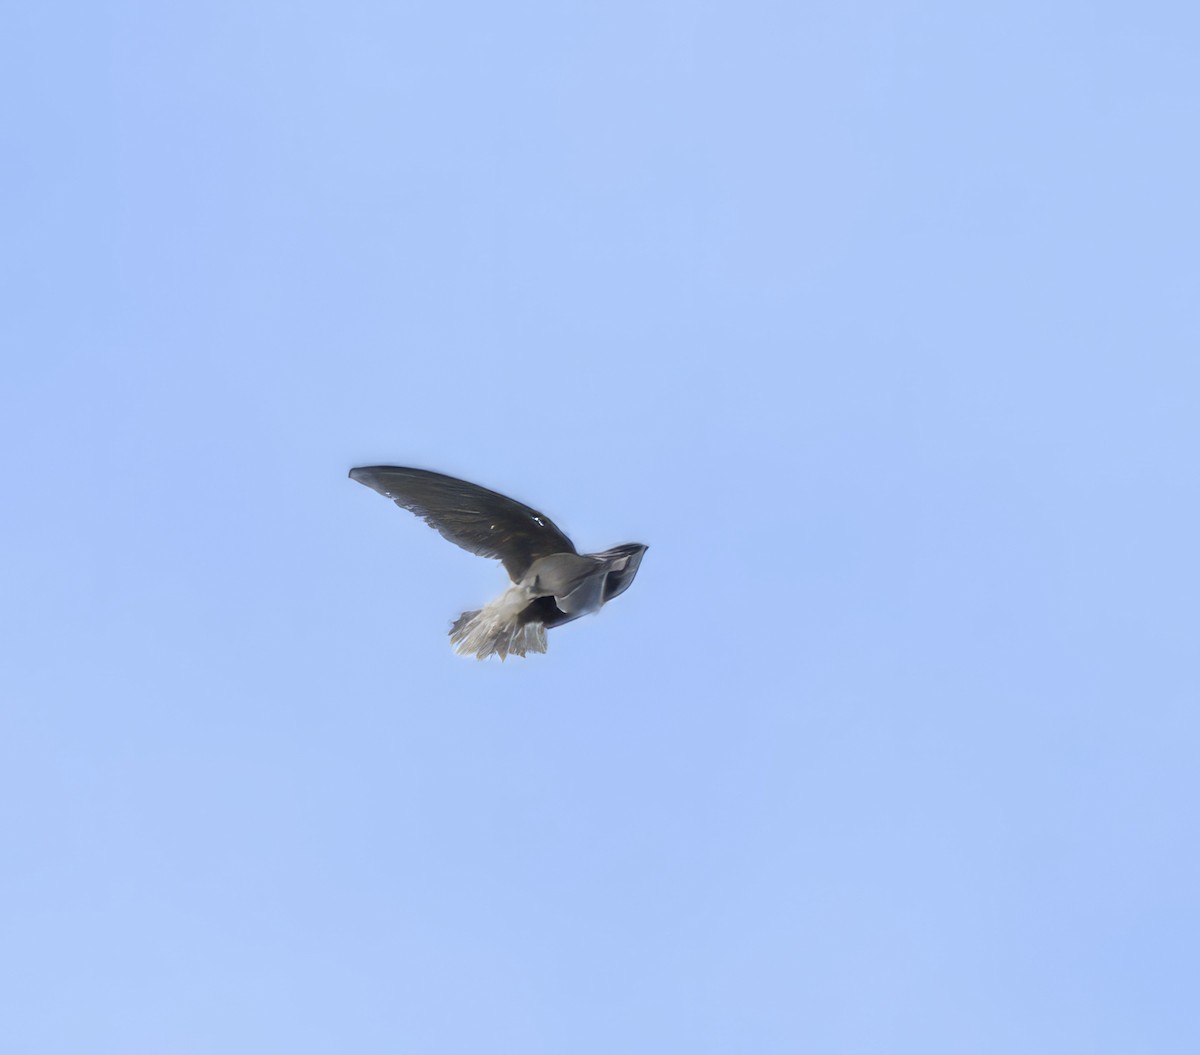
x: 552, y: 583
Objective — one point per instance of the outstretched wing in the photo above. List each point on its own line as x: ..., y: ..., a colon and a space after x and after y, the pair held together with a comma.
x: 481, y: 521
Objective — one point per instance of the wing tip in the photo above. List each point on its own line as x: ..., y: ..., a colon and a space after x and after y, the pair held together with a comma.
x: 364, y: 474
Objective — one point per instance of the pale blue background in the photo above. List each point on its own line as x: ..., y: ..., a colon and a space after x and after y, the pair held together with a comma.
x: 878, y: 321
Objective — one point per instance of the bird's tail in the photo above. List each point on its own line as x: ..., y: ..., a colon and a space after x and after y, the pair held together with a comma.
x: 497, y: 629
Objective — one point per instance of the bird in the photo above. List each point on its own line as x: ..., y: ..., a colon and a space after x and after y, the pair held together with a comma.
x: 552, y: 583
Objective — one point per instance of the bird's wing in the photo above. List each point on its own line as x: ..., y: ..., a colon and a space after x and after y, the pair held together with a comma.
x: 543, y: 610
x: 481, y: 521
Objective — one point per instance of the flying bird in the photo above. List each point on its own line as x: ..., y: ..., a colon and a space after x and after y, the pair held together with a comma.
x: 552, y: 583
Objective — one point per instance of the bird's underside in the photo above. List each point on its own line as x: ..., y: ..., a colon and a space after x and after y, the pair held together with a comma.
x: 552, y: 583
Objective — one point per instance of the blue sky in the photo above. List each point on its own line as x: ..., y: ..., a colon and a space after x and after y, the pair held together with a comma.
x: 878, y: 322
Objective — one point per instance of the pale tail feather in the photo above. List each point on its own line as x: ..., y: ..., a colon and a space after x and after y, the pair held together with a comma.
x: 496, y: 629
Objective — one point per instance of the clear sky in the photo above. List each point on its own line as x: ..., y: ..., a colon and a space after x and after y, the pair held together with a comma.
x: 878, y: 321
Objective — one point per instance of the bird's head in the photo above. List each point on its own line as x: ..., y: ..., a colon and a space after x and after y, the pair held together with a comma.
x: 622, y: 563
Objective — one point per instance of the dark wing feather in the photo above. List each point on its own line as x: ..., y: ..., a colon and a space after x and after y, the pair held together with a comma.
x: 543, y: 610
x: 481, y: 521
